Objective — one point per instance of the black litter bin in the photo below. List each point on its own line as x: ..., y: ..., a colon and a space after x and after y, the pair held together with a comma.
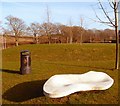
x: 25, y: 62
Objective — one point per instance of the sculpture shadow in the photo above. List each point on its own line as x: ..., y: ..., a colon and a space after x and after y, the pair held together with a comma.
x: 25, y: 91
x: 10, y: 71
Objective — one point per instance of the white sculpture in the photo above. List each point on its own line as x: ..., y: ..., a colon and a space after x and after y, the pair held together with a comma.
x: 62, y: 85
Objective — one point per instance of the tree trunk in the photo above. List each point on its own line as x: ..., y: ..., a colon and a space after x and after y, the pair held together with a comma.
x: 81, y: 38
x: 4, y: 42
x: 16, y: 40
x: 117, y: 48
x: 117, y: 39
x: 71, y: 39
x: 71, y: 36
x: 49, y: 39
x: 117, y: 53
x: 67, y: 39
x: 35, y: 38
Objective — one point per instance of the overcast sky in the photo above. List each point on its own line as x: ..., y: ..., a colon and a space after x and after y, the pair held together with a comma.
x: 60, y: 12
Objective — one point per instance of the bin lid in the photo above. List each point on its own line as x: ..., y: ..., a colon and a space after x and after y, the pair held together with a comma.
x: 25, y: 52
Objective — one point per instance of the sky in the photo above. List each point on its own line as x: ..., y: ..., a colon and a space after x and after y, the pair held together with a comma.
x: 119, y: 17
x: 50, y: 0
x: 60, y: 12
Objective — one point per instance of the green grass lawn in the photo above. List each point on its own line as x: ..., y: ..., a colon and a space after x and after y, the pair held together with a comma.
x: 48, y: 60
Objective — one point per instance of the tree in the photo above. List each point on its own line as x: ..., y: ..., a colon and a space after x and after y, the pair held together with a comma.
x: 65, y: 31
x: 16, y: 25
x: 81, y: 30
x: 114, y: 4
x: 1, y: 28
x: 77, y: 31
x: 108, y: 35
x: 35, y: 29
x: 49, y: 29
x: 71, y: 31
x: 0, y: 25
x: 47, y: 25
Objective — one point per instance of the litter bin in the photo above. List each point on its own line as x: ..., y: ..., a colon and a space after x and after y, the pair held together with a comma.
x: 25, y: 62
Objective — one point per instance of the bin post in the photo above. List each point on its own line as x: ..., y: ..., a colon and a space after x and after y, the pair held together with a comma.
x: 25, y: 62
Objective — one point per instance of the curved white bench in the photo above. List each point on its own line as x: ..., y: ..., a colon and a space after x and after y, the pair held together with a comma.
x: 62, y: 85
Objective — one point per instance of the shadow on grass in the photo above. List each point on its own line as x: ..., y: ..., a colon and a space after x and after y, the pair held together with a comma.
x: 10, y: 71
x: 25, y: 91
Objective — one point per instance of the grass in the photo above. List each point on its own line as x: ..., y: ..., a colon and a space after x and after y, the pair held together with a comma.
x: 48, y: 60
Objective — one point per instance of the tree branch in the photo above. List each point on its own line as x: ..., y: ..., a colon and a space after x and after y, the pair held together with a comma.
x: 101, y: 21
x: 105, y: 13
x: 110, y: 4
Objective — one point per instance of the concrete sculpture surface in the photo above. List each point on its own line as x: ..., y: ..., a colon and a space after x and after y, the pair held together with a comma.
x: 64, y: 84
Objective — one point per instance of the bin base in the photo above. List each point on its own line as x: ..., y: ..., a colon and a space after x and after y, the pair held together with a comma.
x: 25, y: 70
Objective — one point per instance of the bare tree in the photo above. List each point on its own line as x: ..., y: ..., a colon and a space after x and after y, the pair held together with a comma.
x: 16, y: 25
x: 70, y: 31
x: 114, y: 4
x: 47, y: 25
x: 35, y: 29
x: 48, y: 29
x: 65, y: 31
x: 6, y: 34
x: 81, y: 30
x: 48, y: 14
x: 0, y: 25
x: 2, y: 37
